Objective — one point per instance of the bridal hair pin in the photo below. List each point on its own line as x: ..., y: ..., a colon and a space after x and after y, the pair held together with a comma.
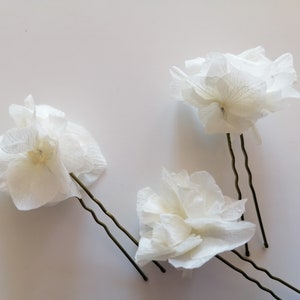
x: 190, y: 222
x: 46, y: 159
x: 231, y: 92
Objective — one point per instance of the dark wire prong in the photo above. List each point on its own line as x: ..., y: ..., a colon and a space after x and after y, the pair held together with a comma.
x: 113, y: 238
x: 111, y: 216
x: 265, y: 271
x: 236, y: 181
x: 253, y: 191
x: 247, y: 276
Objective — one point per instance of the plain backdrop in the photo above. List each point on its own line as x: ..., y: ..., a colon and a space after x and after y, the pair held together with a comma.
x: 106, y: 64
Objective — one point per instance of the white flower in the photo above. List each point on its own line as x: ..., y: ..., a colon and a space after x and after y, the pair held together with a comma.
x: 190, y: 222
x: 38, y: 154
x: 231, y: 92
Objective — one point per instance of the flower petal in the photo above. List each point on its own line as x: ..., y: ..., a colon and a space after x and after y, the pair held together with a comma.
x: 148, y: 251
x: 218, y: 237
x: 187, y: 245
x: 5, y: 160
x: 233, y: 209
x: 149, y: 206
x: 18, y: 140
x: 89, y: 163
x: 23, y: 115
x: 30, y: 185
x: 171, y: 230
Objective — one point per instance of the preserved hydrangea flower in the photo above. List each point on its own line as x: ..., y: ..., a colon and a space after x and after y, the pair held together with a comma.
x: 190, y: 222
x: 231, y: 92
x: 37, y: 155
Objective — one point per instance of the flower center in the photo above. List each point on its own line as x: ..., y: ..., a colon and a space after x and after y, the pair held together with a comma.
x: 42, y: 153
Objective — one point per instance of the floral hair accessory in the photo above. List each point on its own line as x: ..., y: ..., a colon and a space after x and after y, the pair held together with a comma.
x: 39, y: 153
x: 46, y: 159
x: 231, y: 92
x: 191, y: 222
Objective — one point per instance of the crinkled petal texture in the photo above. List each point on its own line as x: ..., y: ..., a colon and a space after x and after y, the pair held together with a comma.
x: 87, y: 162
x: 190, y: 222
x: 38, y: 154
x: 231, y: 92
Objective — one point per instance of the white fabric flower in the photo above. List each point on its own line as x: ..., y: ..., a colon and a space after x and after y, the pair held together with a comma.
x: 38, y: 154
x: 231, y: 92
x: 190, y: 222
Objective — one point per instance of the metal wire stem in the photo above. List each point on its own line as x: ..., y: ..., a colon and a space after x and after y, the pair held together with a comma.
x: 253, y: 191
x: 111, y: 216
x: 248, y: 277
x: 236, y: 181
x: 266, y: 271
x: 113, y: 238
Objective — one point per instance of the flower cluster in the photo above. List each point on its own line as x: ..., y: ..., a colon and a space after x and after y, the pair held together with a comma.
x: 45, y: 159
x: 231, y: 92
x: 39, y: 153
x: 190, y: 222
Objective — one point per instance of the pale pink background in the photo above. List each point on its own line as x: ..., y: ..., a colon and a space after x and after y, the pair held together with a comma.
x: 105, y: 63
